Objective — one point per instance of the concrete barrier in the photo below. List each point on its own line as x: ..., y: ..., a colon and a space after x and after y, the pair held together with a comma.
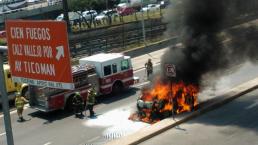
x: 150, y: 48
x: 162, y: 126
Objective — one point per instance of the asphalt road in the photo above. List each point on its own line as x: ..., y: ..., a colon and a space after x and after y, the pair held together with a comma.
x: 60, y: 128
x: 232, y: 124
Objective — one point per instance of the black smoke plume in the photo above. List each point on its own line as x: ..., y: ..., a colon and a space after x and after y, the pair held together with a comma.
x: 200, y: 25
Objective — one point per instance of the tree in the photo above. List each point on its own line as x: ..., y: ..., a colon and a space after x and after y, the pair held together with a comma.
x: 79, y: 6
x: 98, y: 5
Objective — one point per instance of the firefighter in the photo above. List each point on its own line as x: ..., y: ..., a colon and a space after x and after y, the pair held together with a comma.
x: 77, y: 104
x: 91, y: 100
x: 19, y: 104
x: 149, y: 67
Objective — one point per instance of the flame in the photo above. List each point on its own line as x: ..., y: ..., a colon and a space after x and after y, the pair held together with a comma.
x: 167, y: 98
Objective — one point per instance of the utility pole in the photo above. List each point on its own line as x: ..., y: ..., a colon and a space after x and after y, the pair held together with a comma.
x: 143, y: 26
x: 66, y: 15
x: 5, y: 104
x: 106, y: 4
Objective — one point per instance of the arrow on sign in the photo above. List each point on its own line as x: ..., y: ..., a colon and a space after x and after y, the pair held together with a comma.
x: 60, y: 52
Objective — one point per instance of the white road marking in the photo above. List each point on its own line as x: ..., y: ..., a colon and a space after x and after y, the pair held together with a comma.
x: 14, y: 111
x: 142, y: 84
x: 252, y: 105
x: 48, y: 143
x: 93, y: 139
x: 2, y: 134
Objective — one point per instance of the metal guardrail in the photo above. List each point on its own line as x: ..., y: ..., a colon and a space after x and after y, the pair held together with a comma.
x: 116, y: 39
x: 119, y: 40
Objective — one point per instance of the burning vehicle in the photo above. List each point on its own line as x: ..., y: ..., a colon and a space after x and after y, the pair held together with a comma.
x: 164, y: 99
x: 202, y: 58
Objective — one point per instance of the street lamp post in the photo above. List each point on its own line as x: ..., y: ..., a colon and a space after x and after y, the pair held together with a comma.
x: 7, y: 120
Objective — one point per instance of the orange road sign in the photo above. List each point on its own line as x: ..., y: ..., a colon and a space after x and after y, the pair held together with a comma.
x: 38, y: 53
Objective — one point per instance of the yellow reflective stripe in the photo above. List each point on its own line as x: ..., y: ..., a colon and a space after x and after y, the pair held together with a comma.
x: 19, y: 103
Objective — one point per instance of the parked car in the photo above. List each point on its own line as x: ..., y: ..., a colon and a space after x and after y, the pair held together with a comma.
x: 105, y: 14
x: 32, y: 1
x: 123, y: 11
x: 151, y: 7
x: 100, y: 17
x: 89, y: 14
x: 74, y: 17
x: 111, y: 12
x: 53, y: 2
x: 60, y: 17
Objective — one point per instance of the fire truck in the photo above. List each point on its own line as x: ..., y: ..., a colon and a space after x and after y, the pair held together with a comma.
x: 106, y: 72
x: 12, y: 87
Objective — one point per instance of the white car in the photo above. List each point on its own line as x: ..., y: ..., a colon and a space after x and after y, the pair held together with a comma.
x: 88, y: 14
x: 32, y: 1
x: 101, y: 16
x: 72, y: 16
x: 54, y: 2
x: 60, y: 17
x: 151, y: 7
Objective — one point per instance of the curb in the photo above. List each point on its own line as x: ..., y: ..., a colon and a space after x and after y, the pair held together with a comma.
x: 164, y: 125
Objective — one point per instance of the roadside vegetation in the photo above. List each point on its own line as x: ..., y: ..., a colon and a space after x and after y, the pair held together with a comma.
x: 83, y: 24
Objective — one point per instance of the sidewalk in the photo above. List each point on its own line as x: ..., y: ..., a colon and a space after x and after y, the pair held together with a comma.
x: 155, y: 56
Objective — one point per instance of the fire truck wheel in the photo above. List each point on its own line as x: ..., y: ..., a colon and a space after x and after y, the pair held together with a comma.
x: 25, y: 93
x: 69, y: 104
x: 117, y: 88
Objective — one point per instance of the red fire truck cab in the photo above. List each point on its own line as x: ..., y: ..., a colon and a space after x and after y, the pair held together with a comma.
x: 106, y: 72
x: 114, y: 70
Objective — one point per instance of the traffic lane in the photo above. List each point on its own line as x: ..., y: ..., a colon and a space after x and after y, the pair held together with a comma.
x: 231, y: 78
x: 235, y: 76
x: 61, y: 128
x: 37, y: 119
x: 142, y: 74
x: 231, y: 124
x: 42, y: 128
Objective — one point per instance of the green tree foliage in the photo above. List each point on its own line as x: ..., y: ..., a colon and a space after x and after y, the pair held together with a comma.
x: 80, y: 5
x: 99, y: 5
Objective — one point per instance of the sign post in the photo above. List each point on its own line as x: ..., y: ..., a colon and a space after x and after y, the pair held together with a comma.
x: 5, y: 105
x: 171, y: 73
x: 38, y: 53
